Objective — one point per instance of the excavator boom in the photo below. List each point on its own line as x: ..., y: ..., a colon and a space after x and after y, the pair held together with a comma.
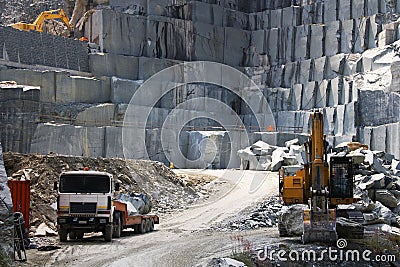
x: 319, y: 221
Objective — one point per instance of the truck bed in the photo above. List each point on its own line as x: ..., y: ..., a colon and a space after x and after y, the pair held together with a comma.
x: 131, y: 220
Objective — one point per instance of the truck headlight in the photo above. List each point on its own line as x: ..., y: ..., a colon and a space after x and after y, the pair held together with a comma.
x: 103, y: 220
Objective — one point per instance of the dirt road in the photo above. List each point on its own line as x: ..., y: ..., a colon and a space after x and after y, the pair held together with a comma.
x: 181, y: 239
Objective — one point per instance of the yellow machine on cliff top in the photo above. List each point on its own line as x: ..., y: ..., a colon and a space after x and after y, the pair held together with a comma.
x: 37, y: 25
x: 321, y: 185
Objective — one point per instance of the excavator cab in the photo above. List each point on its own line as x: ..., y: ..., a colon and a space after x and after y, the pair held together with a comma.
x: 341, y: 181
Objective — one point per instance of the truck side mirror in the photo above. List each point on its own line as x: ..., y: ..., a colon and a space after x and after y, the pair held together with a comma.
x: 55, y: 187
x: 117, y: 186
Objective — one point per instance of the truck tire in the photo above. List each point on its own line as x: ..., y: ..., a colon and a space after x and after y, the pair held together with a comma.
x: 72, y: 235
x: 148, y: 225
x: 136, y: 229
x: 108, y: 233
x: 79, y: 235
x: 117, y: 226
x: 63, y: 233
x: 151, y: 224
x: 142, y: 227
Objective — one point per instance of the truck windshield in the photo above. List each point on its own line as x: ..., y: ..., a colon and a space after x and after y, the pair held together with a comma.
x: 84, y: 183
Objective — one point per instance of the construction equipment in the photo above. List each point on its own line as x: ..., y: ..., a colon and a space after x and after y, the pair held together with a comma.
x: 87, y: 203
x: 321, y: 185
x: 37, y: 25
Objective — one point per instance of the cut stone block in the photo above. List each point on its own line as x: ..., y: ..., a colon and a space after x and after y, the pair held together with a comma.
x: 333, y: 92
x: 301, y: 41
x: 378, y: 141
x: 339, y: 120
x: 122, y: 90
x: 332, y: 35
x: 100, y: 115
x: 346, y: 33
x: 321, y: 90
x: 318, y: 69
x: 296, y: 96
x: 393, y: 139
x: 357, y: 9
x: 107, y: 64
x: 316, y: 41
x: 329, y: 11
x: 344, y: 9
x: 349, y: 119
x: 304, y: 73
x: 308, y: 97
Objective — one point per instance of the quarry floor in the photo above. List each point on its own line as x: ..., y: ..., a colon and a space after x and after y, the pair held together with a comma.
x: 183, y: 238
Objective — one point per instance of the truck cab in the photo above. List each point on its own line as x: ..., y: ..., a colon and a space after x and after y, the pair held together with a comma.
x: 85, y: 204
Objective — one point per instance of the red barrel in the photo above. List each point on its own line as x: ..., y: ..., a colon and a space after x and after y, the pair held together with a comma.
x: 21, y: 198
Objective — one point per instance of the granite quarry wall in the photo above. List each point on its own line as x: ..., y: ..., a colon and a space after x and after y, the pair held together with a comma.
x: 19, y: 111
x: 340, y: 56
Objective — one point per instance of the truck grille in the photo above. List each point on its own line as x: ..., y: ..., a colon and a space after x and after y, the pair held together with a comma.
x: 82, y: 207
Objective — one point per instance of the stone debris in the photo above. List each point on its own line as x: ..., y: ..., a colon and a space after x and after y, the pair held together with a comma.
x: 292, y: 218
x: 263, y: 215
x: 264, y: 157
x: 376, y: 184
x: 226, y: 262
x: 43, y: 230
x: 346, y: 228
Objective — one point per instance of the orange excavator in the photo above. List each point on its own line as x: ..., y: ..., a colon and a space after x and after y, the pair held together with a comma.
x: 321, y: 185
x: 37, y: 25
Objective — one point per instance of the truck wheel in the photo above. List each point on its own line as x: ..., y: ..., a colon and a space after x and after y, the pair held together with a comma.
x: 63, y: 233
x: 79, y: 235
x: 117, y: 226
x: 108, y: 232
x: 151, y: 224
x: 147, y: 225
x: 142, y: 227
x: 72, y: 235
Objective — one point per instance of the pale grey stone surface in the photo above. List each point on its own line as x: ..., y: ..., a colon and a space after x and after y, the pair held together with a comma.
x: 6, y: 212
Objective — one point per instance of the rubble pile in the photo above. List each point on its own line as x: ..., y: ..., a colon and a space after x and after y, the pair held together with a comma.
x: 166, y: 191
x: 265, y: 157
x: 264, y: 215
x: 27, y: 10
x: 377, y: 184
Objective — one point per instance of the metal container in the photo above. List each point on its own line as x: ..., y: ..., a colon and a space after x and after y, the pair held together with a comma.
x: 21, y: 198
